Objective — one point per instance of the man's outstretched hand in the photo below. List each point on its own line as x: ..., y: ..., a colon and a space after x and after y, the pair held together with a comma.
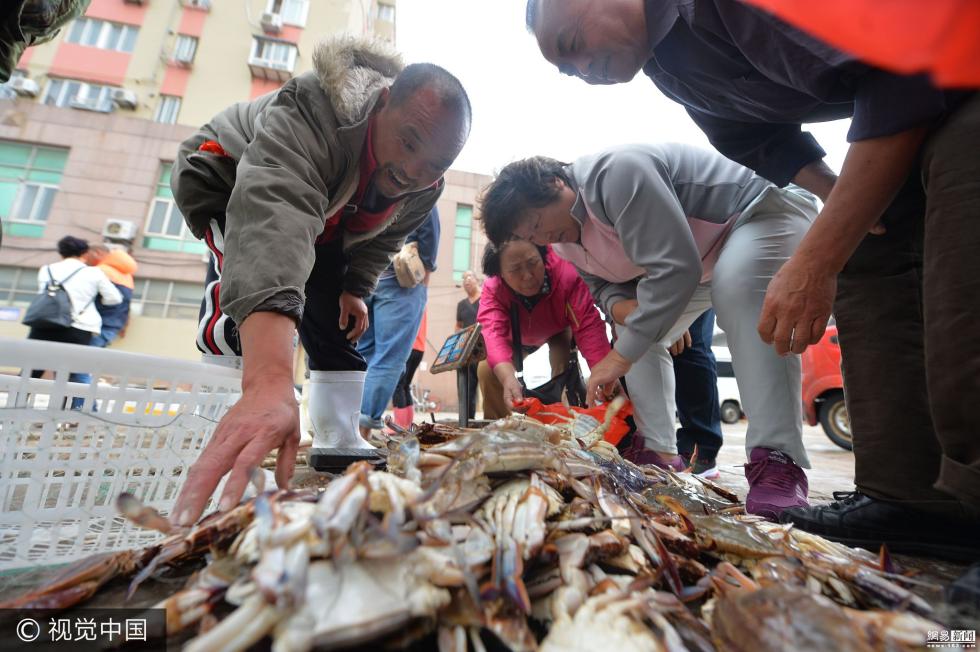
x: 603, y: 382
x: 266, y: 418
x: 797, y: 307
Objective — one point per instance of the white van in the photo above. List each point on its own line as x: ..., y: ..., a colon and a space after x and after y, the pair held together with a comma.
x: 728, y: 397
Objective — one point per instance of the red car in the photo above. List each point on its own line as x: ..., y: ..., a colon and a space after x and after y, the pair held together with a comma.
x: 823, y: 389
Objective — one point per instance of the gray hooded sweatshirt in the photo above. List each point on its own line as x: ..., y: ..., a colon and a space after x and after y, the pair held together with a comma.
x: 654, y: 219
x: 292, y: 161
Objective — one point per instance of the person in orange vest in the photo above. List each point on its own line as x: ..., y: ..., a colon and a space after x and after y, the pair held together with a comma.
x: 119, y: 267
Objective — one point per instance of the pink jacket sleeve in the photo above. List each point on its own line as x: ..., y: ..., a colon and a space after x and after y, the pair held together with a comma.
x: 587, y: 325
x: 494, y: 319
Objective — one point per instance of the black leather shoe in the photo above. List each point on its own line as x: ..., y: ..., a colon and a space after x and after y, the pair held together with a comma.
x: 858, y: 520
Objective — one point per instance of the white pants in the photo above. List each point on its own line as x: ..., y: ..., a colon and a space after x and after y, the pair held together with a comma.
x: 764, y: 238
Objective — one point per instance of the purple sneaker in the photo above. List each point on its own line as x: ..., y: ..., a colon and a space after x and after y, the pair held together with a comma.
x: 639, y: 454
x: 775, y: 483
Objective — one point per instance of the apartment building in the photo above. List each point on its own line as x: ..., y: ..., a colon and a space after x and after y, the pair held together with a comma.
x: 89, y: 128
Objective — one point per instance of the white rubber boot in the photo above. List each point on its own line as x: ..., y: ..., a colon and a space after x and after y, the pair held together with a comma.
x: 335, y: 403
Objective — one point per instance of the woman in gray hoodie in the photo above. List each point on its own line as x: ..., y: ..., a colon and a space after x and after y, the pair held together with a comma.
x: 661, y: 233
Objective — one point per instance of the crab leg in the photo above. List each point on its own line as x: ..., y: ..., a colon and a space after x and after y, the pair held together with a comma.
x: 244, y: 627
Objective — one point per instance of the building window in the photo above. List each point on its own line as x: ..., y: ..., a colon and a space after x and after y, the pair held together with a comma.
x: 18, y: 285
x: 386, y: 12
x: 102, y: 34
x: 167, y: 299
x: 462, y: 239
x: 165, y: 227
x: 29, y: 178
x: 275, y: 54
x: 185, y: 47
x: 167, y: 109
x: 293, y: 12
x: 78, y: 95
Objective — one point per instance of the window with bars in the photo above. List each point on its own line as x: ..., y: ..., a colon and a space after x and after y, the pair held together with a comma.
x: 102, y: 34
x: 462, y: 240
x: 165, y: 228
x: 78, y: 95
x: 29, y: 179
x: 167, y: 109
x: 18, y: 285
x: 386, y: 12
x: 166, y: 299
x: 293, y: 12
x: 274, y: 54
x: 185, y: 47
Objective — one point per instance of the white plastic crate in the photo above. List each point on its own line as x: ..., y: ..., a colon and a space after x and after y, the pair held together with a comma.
x: 61, y: 470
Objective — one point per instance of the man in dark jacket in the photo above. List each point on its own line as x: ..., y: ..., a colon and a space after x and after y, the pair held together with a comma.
x: 750, y: 81
x: 303, y: 196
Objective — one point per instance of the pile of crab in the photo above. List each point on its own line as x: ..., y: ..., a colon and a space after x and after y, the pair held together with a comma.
x: 519, y: 535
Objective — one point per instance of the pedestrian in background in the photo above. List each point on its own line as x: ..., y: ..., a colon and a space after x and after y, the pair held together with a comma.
x: 466, y: 309
x: 83, y: 285
x: 402, y: 398
x: 119, y: 267
x: 394, y: 313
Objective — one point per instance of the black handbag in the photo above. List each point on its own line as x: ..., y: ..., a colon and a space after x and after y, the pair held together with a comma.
x: 569, y: 382
x: 51, y: 307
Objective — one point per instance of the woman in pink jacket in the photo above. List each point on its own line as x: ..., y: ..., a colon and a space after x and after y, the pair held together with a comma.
x: 551, y: 299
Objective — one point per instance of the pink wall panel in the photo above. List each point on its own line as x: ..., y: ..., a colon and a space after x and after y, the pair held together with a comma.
x: 263, y: 86
x: 290, y: 33
x: 175, y: 81
x: 25, y: 58
x: 117, y: 11
x: 192, y: 22
x: 90, y: 64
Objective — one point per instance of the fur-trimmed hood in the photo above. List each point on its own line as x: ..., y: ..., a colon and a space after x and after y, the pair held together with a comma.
x: 351, y: 70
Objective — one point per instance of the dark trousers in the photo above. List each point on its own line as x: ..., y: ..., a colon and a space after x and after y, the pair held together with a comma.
x: 326, y: 344
x: 402, y: 398
x: 467, y: 392
x: 908, y: 310
x: 696, y: 392
x: 68, y: 336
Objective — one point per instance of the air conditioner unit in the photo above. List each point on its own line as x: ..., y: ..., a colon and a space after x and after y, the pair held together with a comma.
x: 271, y: 23
x: 197, y: 4
x: 24, y: 86
x: 119, y: 230
x: 183, y: 60
x: 125, y: 98
x: 91, y: 104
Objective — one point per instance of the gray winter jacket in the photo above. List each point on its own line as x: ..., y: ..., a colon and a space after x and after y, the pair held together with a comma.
x: 292, y: 161
x: 670, y: 206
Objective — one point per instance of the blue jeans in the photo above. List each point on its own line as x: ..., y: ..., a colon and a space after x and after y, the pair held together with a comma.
x: 696, y: 392
x: 100, y: 340
x: 395, y: 314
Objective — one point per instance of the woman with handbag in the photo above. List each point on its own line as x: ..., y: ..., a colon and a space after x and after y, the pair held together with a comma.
x: 544, y: 296
x: 77, y: 319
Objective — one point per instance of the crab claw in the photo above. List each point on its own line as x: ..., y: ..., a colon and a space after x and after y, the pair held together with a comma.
x: 139, y: 514
x: 507, y: 573
x: 885, y: 560
x: 257, y: 477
